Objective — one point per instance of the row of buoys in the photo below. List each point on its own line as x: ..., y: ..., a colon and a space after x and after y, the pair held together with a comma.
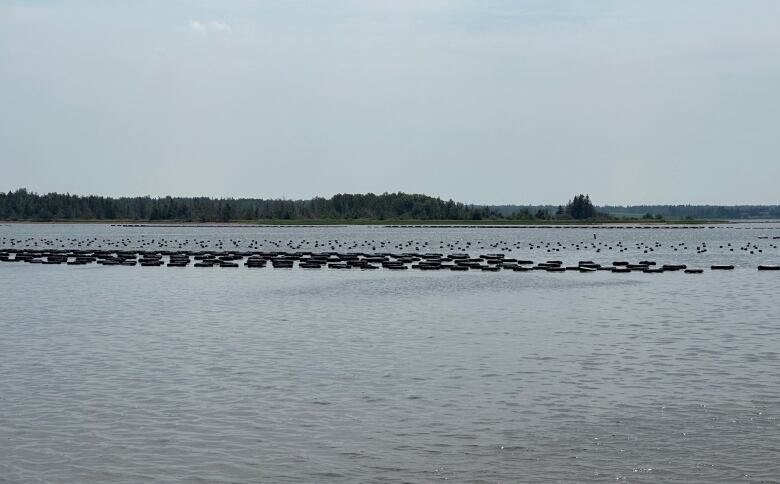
x: 545, y: 226
x: 335, y: 260
x: 162, y: 243
x: 429, y: 226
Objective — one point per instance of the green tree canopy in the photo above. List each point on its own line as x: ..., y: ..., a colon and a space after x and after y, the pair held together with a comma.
x: 24, y: 205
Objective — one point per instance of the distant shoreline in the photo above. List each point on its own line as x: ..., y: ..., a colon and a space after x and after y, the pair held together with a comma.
x: 386, y: 223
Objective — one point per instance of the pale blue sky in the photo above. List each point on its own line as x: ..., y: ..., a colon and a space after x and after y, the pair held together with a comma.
x: 482, y: 101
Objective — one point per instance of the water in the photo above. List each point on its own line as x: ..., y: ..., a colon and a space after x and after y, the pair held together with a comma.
x: 130, y: 374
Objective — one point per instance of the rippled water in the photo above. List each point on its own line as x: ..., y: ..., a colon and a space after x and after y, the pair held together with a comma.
x: 117, y: 374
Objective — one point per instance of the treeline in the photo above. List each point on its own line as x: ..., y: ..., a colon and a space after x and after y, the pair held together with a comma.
x: 716, y: 212
x: 669, y: 212
x: 579, y: 208
x: 25, y: 205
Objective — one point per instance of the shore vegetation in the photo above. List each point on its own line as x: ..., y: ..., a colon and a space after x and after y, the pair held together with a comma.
x: 399, y: 208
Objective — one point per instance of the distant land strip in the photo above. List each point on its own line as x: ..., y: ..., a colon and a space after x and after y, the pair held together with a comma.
x: 351, y: 209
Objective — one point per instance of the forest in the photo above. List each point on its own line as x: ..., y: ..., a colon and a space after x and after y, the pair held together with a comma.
x: 25, y: 205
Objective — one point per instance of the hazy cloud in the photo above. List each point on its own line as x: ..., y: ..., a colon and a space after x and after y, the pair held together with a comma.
x: 210, y: 27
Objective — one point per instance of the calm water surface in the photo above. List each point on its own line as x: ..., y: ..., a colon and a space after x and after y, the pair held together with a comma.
x: 117, y: 374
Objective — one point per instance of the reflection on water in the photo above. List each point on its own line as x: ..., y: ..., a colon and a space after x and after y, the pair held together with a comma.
x: 117, y: 374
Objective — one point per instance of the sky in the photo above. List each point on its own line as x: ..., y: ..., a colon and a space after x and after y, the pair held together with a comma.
x: 482, y: 101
